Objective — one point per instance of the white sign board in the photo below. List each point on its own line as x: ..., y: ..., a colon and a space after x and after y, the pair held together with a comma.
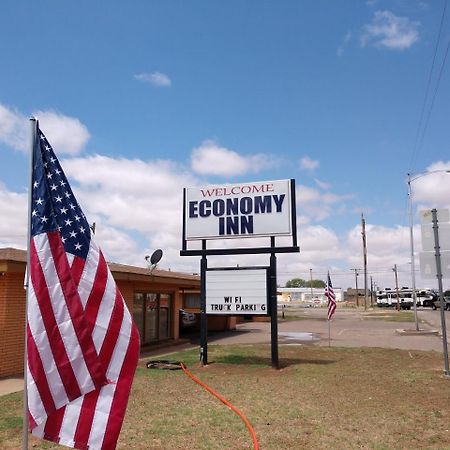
x: 239, y: 210
x: 427, y: 258
x: 236, y: 291
x: 428, y: 236
x: 426, y: 215
x: 428, y: 269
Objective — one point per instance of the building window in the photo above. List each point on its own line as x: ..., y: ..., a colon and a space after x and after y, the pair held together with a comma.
x: 151, y: 313
x: 192, y: 301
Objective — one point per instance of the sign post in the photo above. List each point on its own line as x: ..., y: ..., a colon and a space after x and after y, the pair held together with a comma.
x: 431, y: 269
x: 242, y: 210
x: 441, y: 293
x: 203, y: 316
x: 273, y: 308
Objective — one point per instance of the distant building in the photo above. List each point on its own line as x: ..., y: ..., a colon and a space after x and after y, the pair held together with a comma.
x: 306, y: 295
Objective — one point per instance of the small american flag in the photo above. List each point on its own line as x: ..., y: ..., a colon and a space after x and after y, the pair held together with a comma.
x: 329, y: 293
x: 82, y: 345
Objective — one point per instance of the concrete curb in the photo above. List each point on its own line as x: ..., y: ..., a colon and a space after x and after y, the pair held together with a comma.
x: 10, y: 385
x: 411, y: 332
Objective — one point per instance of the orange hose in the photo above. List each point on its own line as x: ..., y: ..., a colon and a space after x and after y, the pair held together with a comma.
x: 226, y: 402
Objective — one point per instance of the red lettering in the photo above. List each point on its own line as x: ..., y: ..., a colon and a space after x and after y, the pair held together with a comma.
x: 235, y: 190
x: 207, y: 193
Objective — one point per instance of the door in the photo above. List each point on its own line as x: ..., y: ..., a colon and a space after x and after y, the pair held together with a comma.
x: 152, y: 313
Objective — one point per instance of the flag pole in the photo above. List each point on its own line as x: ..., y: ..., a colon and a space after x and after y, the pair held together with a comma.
x: 33, y: 129
x: 329, y: 334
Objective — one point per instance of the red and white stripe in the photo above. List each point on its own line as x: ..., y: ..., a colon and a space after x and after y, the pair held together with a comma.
x: 329, y: 292
x: 82, y: 351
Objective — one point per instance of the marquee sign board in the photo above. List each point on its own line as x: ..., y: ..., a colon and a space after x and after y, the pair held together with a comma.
x: 237, y: 291
x: 239, y: 210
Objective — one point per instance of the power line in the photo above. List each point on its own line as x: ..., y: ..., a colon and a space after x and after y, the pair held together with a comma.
x: 420, y: 137
x: 434, y: 95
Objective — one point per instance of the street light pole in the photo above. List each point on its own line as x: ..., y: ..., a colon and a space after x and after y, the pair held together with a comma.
x: 411, y: 241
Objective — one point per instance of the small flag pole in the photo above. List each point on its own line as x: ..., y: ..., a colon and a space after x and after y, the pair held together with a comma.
x: 329, y: 333
x: 33, y: 129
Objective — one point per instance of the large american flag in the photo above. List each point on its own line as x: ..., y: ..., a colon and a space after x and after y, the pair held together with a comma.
x: 329, y: 293
x: 82, y: 344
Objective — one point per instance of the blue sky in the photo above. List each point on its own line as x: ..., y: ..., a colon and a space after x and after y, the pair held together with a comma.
x: 138, y: 97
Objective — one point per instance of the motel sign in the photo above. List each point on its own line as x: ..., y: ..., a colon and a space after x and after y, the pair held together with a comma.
x: 238, y: 210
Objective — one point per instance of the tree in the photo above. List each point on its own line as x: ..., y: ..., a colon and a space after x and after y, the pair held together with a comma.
x: 301, y: 283
x: 316, y: 284
x: 296, y: 283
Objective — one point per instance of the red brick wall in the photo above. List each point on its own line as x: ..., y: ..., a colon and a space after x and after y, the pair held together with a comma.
x: 12, y: 313
x: 127, y: 290
x: 12, y: 322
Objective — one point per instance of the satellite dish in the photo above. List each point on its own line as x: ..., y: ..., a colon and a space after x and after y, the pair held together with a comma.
x: 156, y: 257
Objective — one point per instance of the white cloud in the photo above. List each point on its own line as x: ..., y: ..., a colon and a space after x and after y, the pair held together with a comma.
x: 117, y: 245
x: 139, y: 213
x: 319, y: 243
x: 390, y: 31
x: 13, y: 129
x: 13, y: 226
x: 322, y: 184
x: 345, y: 41
x: 317, y: 205
x: 432, y: 188
x: 155, y: 78
x: 67, y: 134
x: 211, y: 159
x: 149, y: 201
x: 307, y: 163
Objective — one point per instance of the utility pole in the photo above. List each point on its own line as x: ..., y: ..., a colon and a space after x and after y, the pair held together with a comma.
x: 363, y: 233
x: 310, y: 285
x: 356, y: 284
x: 371, y: 291
x: 396, y: 287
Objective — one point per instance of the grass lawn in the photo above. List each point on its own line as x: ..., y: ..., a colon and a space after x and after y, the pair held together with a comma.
x: 390, y: 315
x: 387, y: 315
x: 322, y: 398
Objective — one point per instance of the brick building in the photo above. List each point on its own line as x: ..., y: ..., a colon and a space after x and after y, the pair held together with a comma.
x: 154, y: 300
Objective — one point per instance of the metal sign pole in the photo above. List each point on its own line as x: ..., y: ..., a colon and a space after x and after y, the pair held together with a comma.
x: 441, y: 293
x: 203, y: 318
x: 273, y: 307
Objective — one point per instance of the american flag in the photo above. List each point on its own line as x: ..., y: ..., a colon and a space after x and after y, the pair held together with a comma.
x: 82, y: 345
x: 329, y: 293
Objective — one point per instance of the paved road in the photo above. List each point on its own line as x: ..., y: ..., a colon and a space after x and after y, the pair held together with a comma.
x: 349, y: 328
x: 433, y: 318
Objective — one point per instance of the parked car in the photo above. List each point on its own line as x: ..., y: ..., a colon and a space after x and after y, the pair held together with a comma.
x: 187, y: 319
x: 437, y: 303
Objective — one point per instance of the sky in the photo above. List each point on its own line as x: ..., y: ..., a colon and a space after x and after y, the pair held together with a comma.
x: 141, y: 99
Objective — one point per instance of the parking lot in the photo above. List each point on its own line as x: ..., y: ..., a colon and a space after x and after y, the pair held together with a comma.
x: 349, y: 328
